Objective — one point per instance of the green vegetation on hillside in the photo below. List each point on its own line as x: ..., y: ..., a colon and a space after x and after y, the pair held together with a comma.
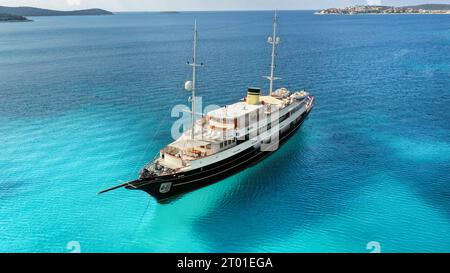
x: 431, y: 7
x: 30, y: 11
x: 4, y: 17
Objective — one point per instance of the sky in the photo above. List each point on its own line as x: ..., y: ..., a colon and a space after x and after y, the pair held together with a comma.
x: 200, y: 5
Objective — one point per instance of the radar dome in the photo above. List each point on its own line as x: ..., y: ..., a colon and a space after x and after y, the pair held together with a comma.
x: 188, y: 85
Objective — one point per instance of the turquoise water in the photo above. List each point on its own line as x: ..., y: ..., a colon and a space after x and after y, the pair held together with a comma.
x: 86, y: 101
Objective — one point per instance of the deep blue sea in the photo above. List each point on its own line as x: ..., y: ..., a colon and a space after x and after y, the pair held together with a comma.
x: 86, y: 101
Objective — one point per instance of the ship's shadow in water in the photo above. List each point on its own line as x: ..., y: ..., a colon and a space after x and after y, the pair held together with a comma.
x: 310, y: 178
x: 282, y: 194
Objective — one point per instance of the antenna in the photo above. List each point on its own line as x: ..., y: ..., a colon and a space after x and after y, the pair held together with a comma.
x: 273, y: 40
x: 190, y: 85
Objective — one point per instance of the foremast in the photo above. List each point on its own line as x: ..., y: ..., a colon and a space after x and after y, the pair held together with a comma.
x: 191, y: 87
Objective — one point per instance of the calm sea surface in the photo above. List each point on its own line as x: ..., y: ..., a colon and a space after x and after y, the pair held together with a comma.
x: 86, y: 101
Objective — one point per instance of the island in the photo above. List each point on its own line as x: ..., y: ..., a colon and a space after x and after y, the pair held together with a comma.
x: 30, y: 11
x: 4, y: 17
x: 419, y: 9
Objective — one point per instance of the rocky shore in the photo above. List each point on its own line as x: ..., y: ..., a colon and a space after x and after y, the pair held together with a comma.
x: 4, y: 17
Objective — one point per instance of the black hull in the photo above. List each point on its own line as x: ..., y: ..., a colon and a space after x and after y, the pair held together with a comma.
x: 212, y: 173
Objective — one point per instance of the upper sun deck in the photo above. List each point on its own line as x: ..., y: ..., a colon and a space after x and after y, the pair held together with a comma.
x: 234, y: 110
x: 242, y: 108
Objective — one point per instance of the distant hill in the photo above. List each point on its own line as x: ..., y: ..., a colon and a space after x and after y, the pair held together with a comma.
x: 431, y: 7
x: 30, y: 11
x: 4, y: 17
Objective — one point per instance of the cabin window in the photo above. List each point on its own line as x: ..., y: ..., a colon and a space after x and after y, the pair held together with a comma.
x: 221, y: 145
x: 229, y: 142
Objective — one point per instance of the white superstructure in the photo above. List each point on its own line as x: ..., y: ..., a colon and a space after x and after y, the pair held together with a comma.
x: 226, y: 131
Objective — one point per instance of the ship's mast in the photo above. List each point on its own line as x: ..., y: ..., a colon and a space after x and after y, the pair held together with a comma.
x: 273, y: 40
x: 194, y: 66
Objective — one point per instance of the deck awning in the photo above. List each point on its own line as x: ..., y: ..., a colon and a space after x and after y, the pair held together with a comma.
x: 188, y: 143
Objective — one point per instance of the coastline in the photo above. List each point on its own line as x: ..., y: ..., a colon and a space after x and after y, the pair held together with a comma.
x: 379, y: 9
x: 12, y: 18
x: 399, y: 13
x: 17, y: 21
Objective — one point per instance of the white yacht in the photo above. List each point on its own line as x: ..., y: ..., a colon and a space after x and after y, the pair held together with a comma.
x: 227, y: 140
